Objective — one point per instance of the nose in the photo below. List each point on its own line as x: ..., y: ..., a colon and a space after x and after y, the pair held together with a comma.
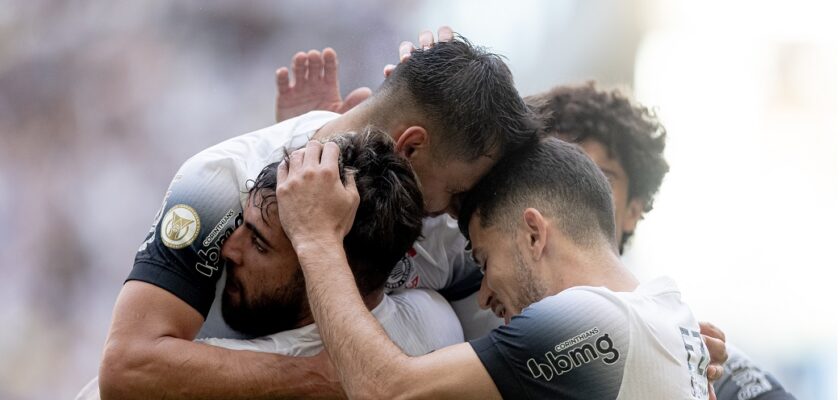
x: 485, y: 295
x: 232, y: 248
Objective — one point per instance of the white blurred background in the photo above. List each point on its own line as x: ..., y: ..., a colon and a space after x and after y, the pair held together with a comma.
x: 100, y: 102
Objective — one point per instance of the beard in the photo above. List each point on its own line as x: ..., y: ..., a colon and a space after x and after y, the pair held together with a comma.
x: 531, y: 288
x: 265, y: 313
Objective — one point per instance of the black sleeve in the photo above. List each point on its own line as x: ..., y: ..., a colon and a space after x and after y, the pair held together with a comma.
x: 743, y: 380
x: 182, y: 252
x: 570, y: 346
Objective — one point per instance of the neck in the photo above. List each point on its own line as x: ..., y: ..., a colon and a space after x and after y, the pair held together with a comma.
x: 598, y: 265
x: 371, y: 300
x: 369, y: 113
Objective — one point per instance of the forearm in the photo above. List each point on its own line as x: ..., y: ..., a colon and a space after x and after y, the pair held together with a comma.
x: 366, y: 359
x: 180, y: 369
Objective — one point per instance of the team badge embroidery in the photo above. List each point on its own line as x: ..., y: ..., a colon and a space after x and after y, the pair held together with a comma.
x: 180, y: 226
x: 401, y: 274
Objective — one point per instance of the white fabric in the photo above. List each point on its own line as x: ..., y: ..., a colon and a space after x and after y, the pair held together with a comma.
x: 417, y: 320
x: 655, y: 313
x: 434, y: 260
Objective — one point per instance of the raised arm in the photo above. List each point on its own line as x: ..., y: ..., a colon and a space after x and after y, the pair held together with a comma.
x: 317, y: 211
x: 150, y: 354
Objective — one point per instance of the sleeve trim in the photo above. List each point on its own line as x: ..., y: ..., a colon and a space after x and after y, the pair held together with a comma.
x: 182, y: 287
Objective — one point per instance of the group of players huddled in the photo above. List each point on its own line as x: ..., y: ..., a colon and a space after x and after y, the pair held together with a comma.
x: 441, y: 237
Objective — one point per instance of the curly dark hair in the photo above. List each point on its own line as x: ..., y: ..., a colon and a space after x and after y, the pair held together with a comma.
x: 632, y: 133
x: 390, y: 214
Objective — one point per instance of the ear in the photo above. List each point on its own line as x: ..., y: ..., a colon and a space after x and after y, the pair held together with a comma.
x: 632, y: 215
x: 536, y: 227
x: 410, y: 140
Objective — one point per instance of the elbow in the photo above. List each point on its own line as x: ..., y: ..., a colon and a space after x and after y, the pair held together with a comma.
x: 120, y: 371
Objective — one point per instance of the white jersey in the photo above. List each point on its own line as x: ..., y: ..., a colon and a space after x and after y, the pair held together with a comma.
x: 593, y: 343
x: 434, y: 261
x: 440, y: 261
x: 202, y: 207
x: 419, y: 321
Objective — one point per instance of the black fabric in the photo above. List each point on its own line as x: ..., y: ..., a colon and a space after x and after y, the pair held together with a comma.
x: 464, y: 287
x: 526, y: 358
x: 745, y: 380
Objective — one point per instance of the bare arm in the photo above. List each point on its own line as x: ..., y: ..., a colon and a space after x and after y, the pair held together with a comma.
x: 370, y: 365
x: 150, y: 354
x: 317, y: 211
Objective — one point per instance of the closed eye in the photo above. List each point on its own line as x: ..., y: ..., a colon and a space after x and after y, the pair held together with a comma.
x: 256, y: 243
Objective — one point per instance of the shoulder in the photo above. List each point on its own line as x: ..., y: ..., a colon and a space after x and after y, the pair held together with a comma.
x: 575, y: 342
x: 421, y: 305
x: 419, y: 321
x: 264, y: 145
x: 575, y: 307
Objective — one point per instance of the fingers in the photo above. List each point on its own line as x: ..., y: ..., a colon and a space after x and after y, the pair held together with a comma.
x: 708, y: 329
x: 330, y: 66
x: 388, y: 70
x: 426, y: 39
x: 282, y: 172
x: 717, y: 349
x: 295, y: 160
x: 405, y: 50
x: 329, y: 155
x: 314, y: 65
x: 299, y: 66
x: 282, y: 75
x: 712, y: 395
x: 350, y: 185
x: 445, y: 34
x: 312, y: 155
x: 714, y: 372
x: 354, y: 98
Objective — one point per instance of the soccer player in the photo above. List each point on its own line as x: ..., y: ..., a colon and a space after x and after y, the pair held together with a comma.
x: 627, y: 142
x: 542, y: 229
x: 451, y: 124
x: 265, y: 292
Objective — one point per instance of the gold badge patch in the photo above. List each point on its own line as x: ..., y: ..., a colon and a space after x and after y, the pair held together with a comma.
x: 180, y: 226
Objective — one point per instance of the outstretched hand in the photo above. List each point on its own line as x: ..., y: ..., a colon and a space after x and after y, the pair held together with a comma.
x: 314, y: 206
x: 315, y: 86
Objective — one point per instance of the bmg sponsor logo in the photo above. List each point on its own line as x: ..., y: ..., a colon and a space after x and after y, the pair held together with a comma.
x: 558, y: 363
x: 209, y: 258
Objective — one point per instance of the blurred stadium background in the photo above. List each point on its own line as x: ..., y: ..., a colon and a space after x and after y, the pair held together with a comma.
x: 100, y: 102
